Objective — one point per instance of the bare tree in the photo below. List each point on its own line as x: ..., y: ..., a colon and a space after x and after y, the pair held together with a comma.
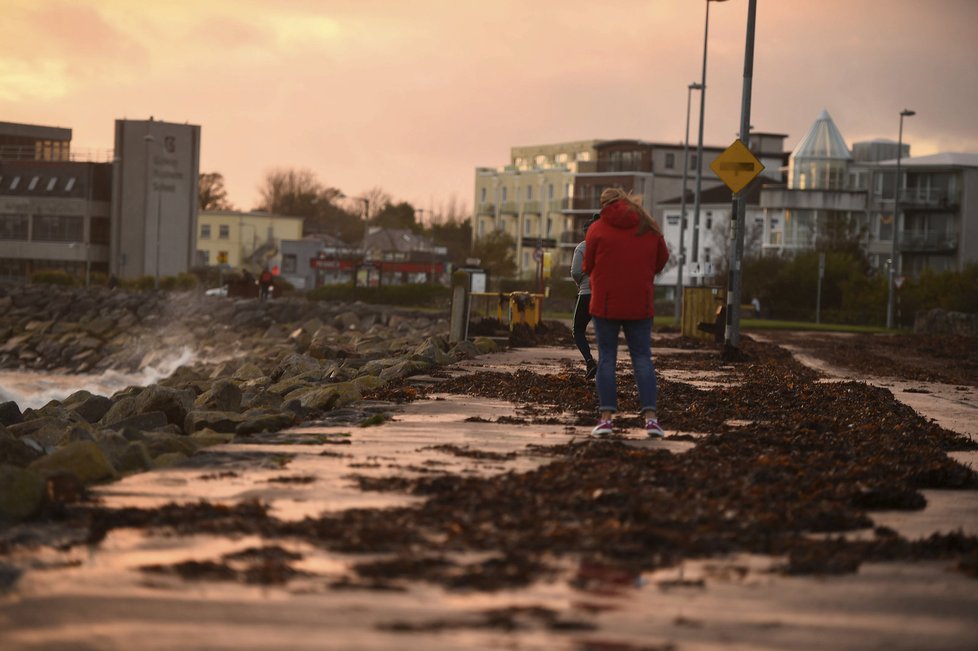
x: 377, y: 200
x: 211, y: 193
x: 287, y: 191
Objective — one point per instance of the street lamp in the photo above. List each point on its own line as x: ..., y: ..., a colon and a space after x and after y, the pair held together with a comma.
x: 682, y: 205
x: 894, y: 260
x: 699, y: 142
x: 159, y: 209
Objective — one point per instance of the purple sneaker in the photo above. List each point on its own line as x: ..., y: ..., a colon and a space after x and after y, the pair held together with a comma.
x: 602, y: 429
x: 653, y: 429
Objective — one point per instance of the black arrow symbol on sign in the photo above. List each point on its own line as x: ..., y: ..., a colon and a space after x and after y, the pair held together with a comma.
x: 737, y: 168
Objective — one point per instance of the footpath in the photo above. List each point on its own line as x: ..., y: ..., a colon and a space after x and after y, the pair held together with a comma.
x: 475, y: 513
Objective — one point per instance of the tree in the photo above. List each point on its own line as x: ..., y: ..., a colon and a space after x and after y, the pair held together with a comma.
x: 397, y: 215
x: 455, y: 235
x: 292, y: 192
x: 496, y: 251
x: 211, y: 193
x: 377, y: 201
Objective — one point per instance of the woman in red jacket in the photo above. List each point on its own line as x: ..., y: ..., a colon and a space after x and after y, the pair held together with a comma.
x: 624, y: 251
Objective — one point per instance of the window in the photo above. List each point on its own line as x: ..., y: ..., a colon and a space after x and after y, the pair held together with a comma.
x: 550, y: 226
x: 529, y: 192
x: 482, y: 195
x: 58, y: 228
x: 527, y: 227
x: 692, y: 161
x: 15, y: 183
x: 584, y: 155
x: 670, y: 161
x: 550, y: 192
x: 706, y: 255
x: 53, y: 181
x: 33, y: 183
x: 709, y: 221
x: 482, y: 227
x: 223, y: 231
x: 13, y: 227
x: 205, y: 231
x: 505, y: 193
x: 70, y: 184
x: 289, y: 263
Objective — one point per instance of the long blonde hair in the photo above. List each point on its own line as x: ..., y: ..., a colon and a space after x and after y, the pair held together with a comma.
x: 646, y: 221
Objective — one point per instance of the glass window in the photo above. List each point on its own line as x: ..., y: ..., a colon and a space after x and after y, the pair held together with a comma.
x: 505, y: 194
x: 223, y: 231
x: 527, y: 227
x: 529, y: 192
x: 550, y: 192
x: 289, y: 263
x: 15, y: 183
x: 53, y: 181
x: 13, y: 227
x: 709, y: 221
x: 58, y: 228
x: 692, y: 161
x: 70, y: 184
x: 584, y: 155
x: 482, y: 195
x: 670, y: 161
x: 34, y: 182
x: 205, y: 231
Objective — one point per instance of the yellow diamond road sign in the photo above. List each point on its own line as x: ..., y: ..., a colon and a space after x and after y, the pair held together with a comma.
x: 736, y: 166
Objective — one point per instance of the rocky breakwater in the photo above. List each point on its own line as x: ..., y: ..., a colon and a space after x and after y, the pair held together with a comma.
x: 260, y: 368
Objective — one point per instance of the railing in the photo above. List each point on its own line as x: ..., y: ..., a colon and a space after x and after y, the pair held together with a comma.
x: 928, y: 242
x: 485, y: 208
x: 928, y: 197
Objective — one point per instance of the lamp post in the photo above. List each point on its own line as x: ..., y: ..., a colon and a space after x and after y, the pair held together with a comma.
x: 366, y: 216
x: 682, y: 206
x: 699, y: 142
x: 905, y: 113
x: 149, y: 139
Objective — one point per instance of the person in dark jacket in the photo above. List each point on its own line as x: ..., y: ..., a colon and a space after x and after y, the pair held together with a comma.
x: 582, y: 316
x: 623, y: 252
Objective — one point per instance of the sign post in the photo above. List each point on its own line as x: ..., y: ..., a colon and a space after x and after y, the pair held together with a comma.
x: 737, y: 167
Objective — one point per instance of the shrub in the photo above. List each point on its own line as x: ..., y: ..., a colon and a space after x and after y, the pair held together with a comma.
x: 183, y: 282
x: 54, y: 277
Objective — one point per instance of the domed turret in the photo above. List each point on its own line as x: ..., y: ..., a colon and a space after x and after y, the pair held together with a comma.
x: 821, y: 160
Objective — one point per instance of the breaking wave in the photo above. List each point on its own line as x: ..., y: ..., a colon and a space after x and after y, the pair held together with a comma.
x: 35, y: 390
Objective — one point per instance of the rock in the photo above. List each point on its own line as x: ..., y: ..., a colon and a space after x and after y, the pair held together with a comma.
x: 295, y: 364
x: 83, y: 459
x: 347, y: 321
x: 485, y: 345
x: 143, y: 422
x: 219, y: 421
x: 48, y: 431
x: 248, y: 372
x: 330, y: 396
x: 90, y: 407
x: 14, y: 451
x: 223, y: 395
x: 77, y: 432
x: 257, y: 421
x: 206, y: 438
x: 464, y: 350
x: 367, y: 382
x: 404, y: 369
x: 431, y: 350
x: 124, y: 455
x: 175, y: 403
x: 10, y: 413
x: 158, y: 443
x: 21, y: 493
x: 170, y: 459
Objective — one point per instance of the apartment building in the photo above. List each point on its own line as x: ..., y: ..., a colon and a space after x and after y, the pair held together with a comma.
x: 835, y: 196
x: 546, y: 194
x: 243, y: 239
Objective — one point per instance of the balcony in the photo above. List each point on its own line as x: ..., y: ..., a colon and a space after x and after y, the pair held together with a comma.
x: 509, y: 208
x: 929, y: 197
x: 486, y: 208
x: 928, y: 242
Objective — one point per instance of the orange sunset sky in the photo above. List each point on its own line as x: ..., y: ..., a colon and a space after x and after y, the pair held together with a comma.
x: 412, y: 95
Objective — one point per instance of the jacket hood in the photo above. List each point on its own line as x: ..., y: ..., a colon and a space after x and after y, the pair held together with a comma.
x: 620, y: 214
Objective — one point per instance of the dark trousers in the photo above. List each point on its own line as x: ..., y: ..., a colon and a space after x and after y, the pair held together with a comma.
x: 582, y: 316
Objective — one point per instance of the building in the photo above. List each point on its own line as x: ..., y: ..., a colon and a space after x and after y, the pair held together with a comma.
x: 547, y: 193
x: 54, y: 212
x: 129, y: 212
x: 835, y: 197
x: 154, y: 198
x: 243, y: 239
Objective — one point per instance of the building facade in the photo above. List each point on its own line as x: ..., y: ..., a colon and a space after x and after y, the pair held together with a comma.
x: 247, y: 240
x: 835, y: 197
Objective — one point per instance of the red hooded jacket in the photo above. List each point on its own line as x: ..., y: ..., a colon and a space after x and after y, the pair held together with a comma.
x: 622, y: 265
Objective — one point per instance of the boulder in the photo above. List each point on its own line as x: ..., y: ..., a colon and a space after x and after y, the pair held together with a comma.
x: 124, y: 455
x: 206, y: 438
x: 175, y: 403
x: 219, y: 421
x: 464, y: 350
x: 257, y: 421
x: 10, y: 413
x: 90, y: 407
x: 330, y: 396
x: 294, y: 365
x: 170, y: 459
x: 48, y: 431
x: 403, y: 369
x: 347, y: 321
x: 158, y: 443
x: 485, y: 345
x: 14, y: 451
x: 83, y: 459
x: 223, y: 395
x: 21, y: 493
x: 367, y: 382
x: 142, y: 422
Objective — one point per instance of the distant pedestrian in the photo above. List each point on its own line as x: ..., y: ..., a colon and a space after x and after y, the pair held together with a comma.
x: 264, y: 283
x: 756, y: 304
x: 624, y: 250
x: 582, y: 313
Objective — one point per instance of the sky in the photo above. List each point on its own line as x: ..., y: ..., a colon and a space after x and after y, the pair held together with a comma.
x: 412, y: 95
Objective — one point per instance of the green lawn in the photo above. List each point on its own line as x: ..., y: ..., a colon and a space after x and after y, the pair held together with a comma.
x: 668, y: 320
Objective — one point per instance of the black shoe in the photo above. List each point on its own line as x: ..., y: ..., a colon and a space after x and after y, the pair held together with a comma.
x: 592, y: 370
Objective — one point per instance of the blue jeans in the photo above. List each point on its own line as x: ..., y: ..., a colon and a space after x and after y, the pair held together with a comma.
x: 638, y: 336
